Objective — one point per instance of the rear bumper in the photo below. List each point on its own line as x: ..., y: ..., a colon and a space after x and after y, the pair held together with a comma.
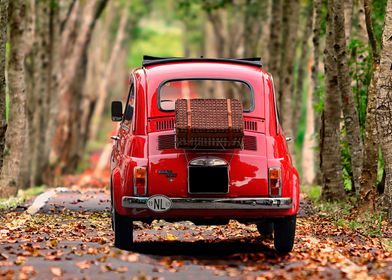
x: 249, y: 203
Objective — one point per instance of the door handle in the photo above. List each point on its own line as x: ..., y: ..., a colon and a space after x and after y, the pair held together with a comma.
x: 115, y: 137
x: 288, y: 139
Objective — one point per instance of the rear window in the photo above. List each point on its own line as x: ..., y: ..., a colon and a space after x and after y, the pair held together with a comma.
x: 170, y: 91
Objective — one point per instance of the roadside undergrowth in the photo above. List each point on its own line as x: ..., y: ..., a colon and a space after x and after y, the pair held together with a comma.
x: 345, y: 214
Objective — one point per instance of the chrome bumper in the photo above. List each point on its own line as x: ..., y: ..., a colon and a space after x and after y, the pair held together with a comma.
x: 214, y: 203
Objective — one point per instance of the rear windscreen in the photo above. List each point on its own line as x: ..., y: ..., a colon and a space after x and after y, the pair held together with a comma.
x: 217, y: 89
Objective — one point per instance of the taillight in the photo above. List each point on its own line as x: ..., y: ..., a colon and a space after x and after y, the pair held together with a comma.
x: 140, y: 180
x: 275, y: 181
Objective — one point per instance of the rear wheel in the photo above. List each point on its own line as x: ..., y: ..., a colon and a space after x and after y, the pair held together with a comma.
x: 123, y: 229
x: 284, y: 234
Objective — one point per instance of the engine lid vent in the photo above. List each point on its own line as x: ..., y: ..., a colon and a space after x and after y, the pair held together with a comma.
x: 162, y: 125
x: 250, y: 143
x: 250, y: 125
x: 166, y: 142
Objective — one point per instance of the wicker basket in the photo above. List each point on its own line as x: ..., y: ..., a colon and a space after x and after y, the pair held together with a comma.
x: 209, y: 123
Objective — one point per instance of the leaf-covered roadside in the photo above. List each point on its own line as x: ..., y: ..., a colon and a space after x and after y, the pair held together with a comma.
x: 79, y: 245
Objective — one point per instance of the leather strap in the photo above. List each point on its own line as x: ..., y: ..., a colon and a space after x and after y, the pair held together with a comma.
x: 230, y: 119
x: 189, y: 116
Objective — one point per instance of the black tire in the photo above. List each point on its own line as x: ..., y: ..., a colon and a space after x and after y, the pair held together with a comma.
x: 284, y: 234
x: 265, y: 229
x: 123, y: 230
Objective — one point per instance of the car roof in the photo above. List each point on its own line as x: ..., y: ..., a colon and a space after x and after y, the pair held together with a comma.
x: 153, y: 60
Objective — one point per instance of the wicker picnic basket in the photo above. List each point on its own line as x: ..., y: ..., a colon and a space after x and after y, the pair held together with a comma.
x: 209, y: 123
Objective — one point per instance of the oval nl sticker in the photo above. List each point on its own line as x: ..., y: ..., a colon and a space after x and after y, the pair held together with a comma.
x: 159, y: 203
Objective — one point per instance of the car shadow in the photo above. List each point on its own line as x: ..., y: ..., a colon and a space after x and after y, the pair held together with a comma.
x: 203, y: 248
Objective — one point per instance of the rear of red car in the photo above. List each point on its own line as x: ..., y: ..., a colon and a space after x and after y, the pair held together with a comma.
x: 253, y: 183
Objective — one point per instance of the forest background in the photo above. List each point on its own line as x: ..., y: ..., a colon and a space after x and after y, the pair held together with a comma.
x: 63, y: 61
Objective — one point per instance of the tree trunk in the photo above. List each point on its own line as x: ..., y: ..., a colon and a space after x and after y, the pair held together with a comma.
x: 254, y: 20
x: 314, y: 81
x: 103, y: 89
x: 3, y: 86
x: 348, y: 16
x: 16, y: 133
x: 351, y: 120
x: 290, y: 27
x: 53, y: 87
x: 361, y: 33
x: 308, y: 166
x: 215, y: 18
x: 368, y: 188
x: 265, y: 33
x: 31, y: 55
x: 41, y: 90
x: 330, y: 161
x: 275, y: 42
x: 384, y: 106
x: 302, y: 66
x: 64, y: 153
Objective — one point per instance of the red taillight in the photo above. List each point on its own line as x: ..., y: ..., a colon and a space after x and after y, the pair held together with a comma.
x: 140, y: 180
x: 275, y: 181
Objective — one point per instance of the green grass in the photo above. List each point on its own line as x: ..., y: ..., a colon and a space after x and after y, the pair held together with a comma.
x: 21, y: 197
x: 313, y: 192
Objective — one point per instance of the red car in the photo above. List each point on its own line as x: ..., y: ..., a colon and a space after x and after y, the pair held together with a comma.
x: 152, y: 178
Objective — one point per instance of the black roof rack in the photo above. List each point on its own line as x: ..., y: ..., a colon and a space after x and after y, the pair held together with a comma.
x: 151, y: 60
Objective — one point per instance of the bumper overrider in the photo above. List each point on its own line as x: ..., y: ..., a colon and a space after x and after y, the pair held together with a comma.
x: 161, y: 203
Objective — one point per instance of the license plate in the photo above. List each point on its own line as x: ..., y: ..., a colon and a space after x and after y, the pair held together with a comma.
x: 159, y: 203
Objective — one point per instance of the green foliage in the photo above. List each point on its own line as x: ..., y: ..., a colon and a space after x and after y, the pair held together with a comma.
x: 313, y: 192
x: 380, y: 166
x: 155, y: 38
x: 378, y: 17
x: 360, y: 71
x: 319, y: 93
x: 346, y: 162
x: 324, y: 11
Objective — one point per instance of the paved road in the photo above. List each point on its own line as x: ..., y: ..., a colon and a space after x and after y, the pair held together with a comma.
x: 70, y: 237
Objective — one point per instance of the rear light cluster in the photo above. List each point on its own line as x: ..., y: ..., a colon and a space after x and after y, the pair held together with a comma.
x: 275, y: 181
x: 140, y: 180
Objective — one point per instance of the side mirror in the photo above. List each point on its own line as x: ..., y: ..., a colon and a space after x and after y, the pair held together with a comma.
x: 117, y: 111
x: 128, y: 115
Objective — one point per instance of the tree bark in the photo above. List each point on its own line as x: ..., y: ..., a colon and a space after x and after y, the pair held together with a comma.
x: 64, y: 153
x: 348, y: 16
x: 361, y: 33
x: 3, y: 86
x: 314, y: 81
x: 368, y: 187
x: 384, y: 106
x: 53, y: 87
x: 41, y: 90
x: 217, y: 24
x: 16, y: 134
x: 308, y: 166
x: 351, y: 120
x: 103, y: 87
x: 302, y: 66
x: 275, y: 42
x: 254, y: 20
x: 330, y: 161
x: 290, y: 27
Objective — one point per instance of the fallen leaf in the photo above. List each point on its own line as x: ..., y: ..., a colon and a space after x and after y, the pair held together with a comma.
x: 56, y: 271
x: 83, y: 264
x: 170, y: 237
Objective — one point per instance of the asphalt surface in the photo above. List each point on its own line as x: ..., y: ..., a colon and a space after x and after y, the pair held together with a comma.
x: 71, y: 238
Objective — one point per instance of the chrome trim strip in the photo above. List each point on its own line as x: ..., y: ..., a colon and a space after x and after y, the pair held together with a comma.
x: 214, y: 203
